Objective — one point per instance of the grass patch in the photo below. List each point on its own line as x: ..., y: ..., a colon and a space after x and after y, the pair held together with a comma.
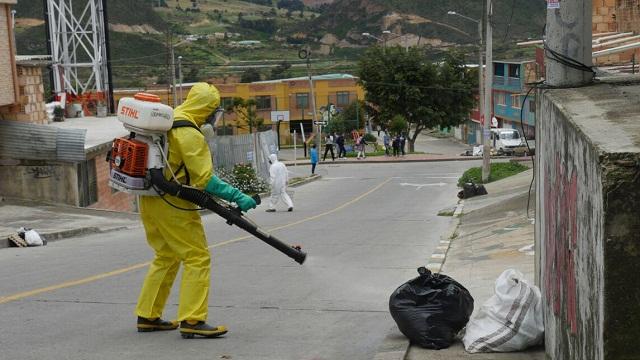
x: 498, y: 171
x: 446, y: 213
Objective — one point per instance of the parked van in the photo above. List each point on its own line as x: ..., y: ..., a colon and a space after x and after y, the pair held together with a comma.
x: 506, y: 141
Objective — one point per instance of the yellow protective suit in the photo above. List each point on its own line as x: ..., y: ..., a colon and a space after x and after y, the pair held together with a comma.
x: 177, y: 236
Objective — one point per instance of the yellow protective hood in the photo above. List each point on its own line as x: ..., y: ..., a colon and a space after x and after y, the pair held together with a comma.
x: 202, y: 100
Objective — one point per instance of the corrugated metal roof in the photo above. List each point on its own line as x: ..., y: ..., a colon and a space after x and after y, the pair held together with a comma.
x: 38, y: 142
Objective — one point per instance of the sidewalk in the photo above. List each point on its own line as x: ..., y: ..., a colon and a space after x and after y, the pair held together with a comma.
x: 54, y: 222
x: 487, y: 240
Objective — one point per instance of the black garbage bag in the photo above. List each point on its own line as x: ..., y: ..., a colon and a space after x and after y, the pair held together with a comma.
x: 470, y: 190
x: 431, y: 309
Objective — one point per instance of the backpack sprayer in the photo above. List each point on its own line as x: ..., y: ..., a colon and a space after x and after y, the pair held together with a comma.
x: 137, y: 162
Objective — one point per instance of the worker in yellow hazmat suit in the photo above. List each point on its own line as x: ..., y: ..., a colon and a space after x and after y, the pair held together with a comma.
x: 177, y: 235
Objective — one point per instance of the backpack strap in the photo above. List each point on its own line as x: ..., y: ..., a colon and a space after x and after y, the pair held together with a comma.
x: 185, y: 123
x: 179, y: 124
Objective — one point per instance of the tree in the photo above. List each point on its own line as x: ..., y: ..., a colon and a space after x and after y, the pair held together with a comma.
x: 352, y: 116
x: 399, y: 82
x: 281, y: 71
x: 245, y: 111
x: 250, y: 75
x: 398, y: 124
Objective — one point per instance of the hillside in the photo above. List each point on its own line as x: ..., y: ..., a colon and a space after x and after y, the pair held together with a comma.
x: 332, y: 27
x: 513, y: 19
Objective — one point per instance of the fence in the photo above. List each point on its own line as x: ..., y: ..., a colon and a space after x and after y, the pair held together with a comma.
x: 239, y: 149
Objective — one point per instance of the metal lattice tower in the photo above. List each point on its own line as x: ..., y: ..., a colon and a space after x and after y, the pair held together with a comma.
x: 78, y: 42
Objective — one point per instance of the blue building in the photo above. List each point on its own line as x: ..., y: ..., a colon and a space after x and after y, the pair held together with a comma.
x: 510, y: 79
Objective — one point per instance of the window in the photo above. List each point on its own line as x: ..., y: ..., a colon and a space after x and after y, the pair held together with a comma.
x: 302, y: 101
x: 498, y: 69
x: 510, y: 135
x: 500, y: 99
x: 226, y: 102
x: 263, y: 102
x: 516, y: 102
x: 532, y: 105
x: 342, y: 98
x: 514, y: 71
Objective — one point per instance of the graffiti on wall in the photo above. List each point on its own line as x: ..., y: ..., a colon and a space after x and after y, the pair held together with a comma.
x: 43, y: 172
x: 561, y: 201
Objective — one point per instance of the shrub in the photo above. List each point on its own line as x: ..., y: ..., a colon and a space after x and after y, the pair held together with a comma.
x: 370, y: 138
x: 243, y: 177
x: 498, y: 171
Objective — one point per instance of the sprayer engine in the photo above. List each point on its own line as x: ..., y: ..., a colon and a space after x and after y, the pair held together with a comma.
x: 131, y: 157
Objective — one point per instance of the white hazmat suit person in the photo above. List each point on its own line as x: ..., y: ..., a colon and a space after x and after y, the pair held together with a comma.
x: 279, y: 178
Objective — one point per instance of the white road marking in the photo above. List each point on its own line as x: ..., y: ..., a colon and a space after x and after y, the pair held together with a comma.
x: 420, y: 186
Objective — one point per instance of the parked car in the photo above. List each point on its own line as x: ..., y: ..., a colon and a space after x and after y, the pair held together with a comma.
x: 506, y: 141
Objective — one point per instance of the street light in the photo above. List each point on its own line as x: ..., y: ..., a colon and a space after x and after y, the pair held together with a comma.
x: 484, y: 106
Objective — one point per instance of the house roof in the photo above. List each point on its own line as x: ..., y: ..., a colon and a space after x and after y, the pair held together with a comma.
x: 315, y: 78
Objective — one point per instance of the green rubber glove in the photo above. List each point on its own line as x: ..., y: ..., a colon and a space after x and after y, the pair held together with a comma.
x: 221, y: 189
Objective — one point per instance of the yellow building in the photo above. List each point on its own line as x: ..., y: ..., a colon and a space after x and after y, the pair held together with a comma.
x: 291, y: 96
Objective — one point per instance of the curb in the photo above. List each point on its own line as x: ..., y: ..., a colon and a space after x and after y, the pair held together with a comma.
x: 466, y: 158
x: 309, y: 179
x: 437, y: 259
x: 393, y: 347
x: 66, y: 234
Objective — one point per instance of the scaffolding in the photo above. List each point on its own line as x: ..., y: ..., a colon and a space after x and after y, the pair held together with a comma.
x: 78, y: 44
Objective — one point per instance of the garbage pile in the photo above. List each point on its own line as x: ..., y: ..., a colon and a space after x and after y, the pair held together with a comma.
x: 432, y: 309
x: 25, y: 237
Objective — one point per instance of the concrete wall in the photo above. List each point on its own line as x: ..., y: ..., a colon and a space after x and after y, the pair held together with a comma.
x: 41, y: 181
x: 30, y: 106
x: 7, y: 57
x: 588, y: 217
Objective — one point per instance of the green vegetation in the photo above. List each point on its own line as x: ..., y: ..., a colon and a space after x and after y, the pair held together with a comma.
x: 243, y: 177
x: 425, y: 94
x: 283, y: 27
x: 446, y: 213
x: 498, y: 171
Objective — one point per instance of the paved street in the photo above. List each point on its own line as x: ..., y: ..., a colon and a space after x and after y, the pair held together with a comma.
x: 365, y: 227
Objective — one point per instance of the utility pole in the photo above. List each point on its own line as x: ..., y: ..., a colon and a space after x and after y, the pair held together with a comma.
x: 569, y: 35
x: 488, y: 97
x: 172, y: 60
x: 180, y: 78
x: 305, y: 54
x: 480, y: 72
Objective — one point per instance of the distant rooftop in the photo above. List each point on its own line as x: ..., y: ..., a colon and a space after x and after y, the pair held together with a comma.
x: 315, y: 78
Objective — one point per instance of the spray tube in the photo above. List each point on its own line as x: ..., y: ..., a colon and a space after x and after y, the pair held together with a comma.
x: 232, y: 215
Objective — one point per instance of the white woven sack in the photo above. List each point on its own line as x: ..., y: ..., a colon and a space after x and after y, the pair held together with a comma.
x: 511, y: 320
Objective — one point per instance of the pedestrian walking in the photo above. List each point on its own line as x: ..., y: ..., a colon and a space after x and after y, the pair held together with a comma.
x: 329, y: 147
x: 177, y: 236
x: 342, y: 152
x: 314, y: 158
x: 386, y: 140
x: 402, y: 141
x: 278, y: 179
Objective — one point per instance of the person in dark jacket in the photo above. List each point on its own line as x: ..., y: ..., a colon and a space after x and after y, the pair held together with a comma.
x: 342, y: 152
x: 396, y: 145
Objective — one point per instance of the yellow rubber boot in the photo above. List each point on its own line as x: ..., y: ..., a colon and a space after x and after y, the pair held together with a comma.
x: 147, y: 325
x: 189, y: 329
